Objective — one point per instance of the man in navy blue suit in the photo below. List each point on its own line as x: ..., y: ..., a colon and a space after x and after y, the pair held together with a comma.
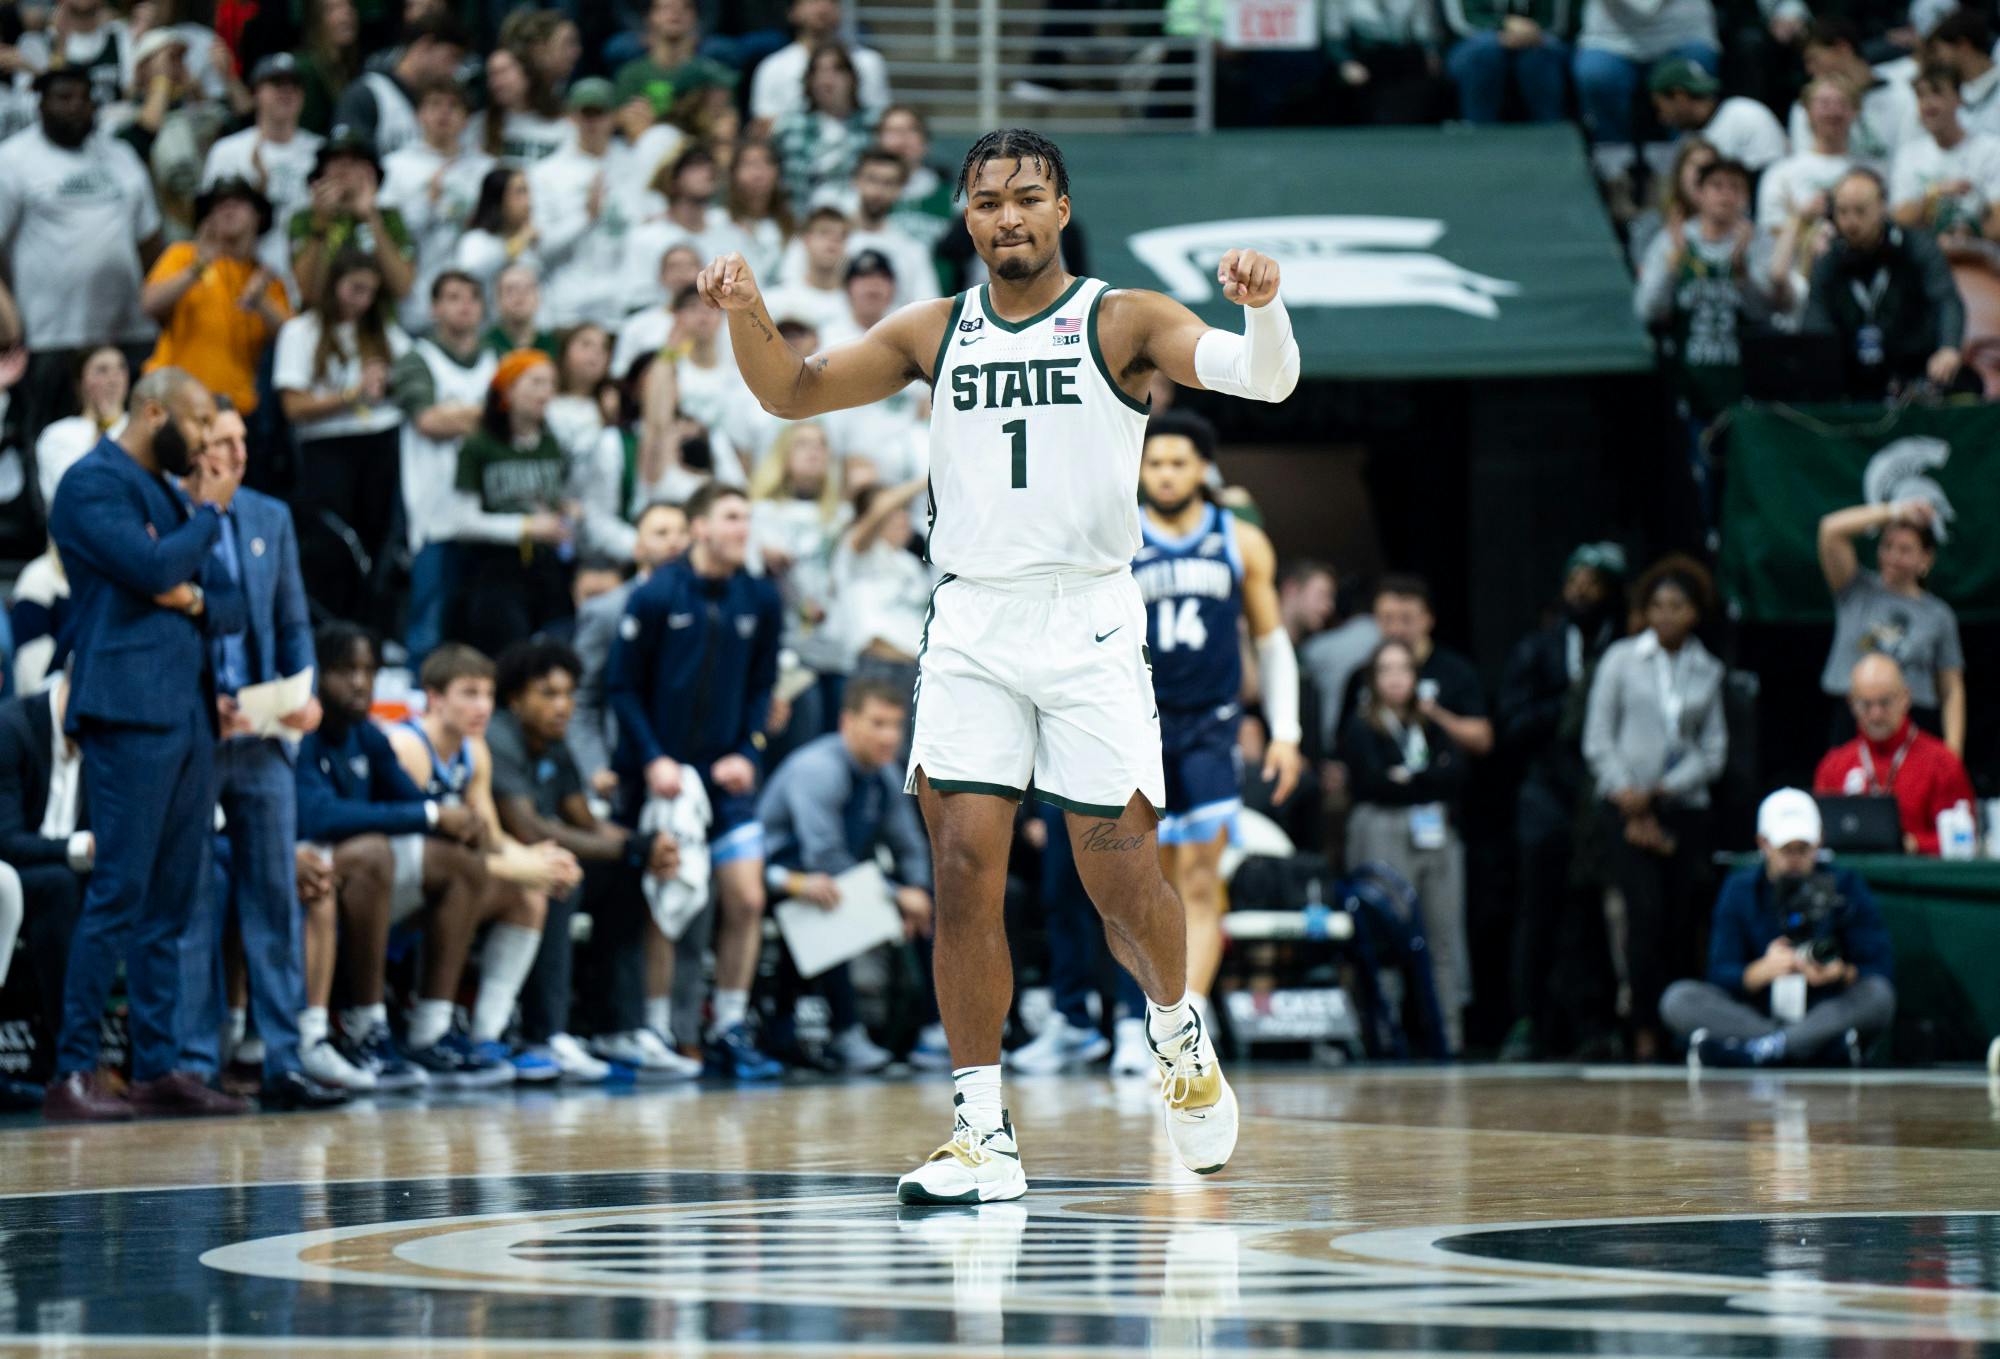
x: 142, y: 708
x: 256, y: 868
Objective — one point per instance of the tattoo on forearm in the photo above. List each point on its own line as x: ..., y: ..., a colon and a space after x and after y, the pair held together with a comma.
x: 1105, y: 838
x: 762, y: 329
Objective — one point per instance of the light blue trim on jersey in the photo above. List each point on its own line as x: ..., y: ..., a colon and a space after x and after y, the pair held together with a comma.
x: 1200, y: 825
x: 1217, y: 520
x: 441, y: 773
x: 1194, y: 535
x: 745, y: 842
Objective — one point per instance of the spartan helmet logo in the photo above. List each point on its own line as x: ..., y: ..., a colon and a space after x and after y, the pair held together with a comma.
x: 1901, y: 471
x: 1327, y: 262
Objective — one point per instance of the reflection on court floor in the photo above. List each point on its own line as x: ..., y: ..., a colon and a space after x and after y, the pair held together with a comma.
x: 1401, y: 1212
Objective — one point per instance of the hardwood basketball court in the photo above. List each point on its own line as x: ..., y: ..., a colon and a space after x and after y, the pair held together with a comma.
x: 1474, y: 1211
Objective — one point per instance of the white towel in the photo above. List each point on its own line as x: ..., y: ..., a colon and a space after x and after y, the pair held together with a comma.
x: 677, y: 900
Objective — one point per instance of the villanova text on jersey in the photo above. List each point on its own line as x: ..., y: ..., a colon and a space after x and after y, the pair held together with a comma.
x: 1193, y: 588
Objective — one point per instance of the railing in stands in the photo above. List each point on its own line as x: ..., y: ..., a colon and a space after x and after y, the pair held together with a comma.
x: 972, y: 65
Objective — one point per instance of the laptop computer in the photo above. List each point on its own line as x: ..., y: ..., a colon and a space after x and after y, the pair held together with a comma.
x: 1861, y: 825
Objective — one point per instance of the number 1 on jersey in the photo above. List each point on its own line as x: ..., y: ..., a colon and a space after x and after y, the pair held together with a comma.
x: 1019, y: 430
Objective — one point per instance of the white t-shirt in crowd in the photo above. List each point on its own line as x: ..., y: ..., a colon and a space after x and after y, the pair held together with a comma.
x: 292, y: 370
x: 653, y: 148
x: 1789, y: 186
x: 1923, y: 162
x: 916, y: 275
x: 881, y: 432
x: 526, y: 138
x: 823, y: 309
x: 434, y: 220
x: 779, y: 85
x: 879, y: 595
x: 585, y: 274
x: 655, y: 234
x: 640, y: 334
x: 70, y: 225
x: 286, y: 166
x: 105, y: 52
x: 1887, y: 123
x: 1979, y: 104
x: 1743, y: 129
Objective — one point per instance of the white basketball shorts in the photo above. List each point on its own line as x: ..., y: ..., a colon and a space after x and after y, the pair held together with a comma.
x: 1045, y: 681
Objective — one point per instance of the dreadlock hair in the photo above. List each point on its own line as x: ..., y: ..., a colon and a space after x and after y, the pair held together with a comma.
x: 1013, y: 143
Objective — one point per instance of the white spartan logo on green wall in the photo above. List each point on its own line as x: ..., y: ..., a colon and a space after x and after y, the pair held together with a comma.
x: 1327, y: 262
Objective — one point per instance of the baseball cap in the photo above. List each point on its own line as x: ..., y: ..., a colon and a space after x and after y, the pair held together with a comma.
x: 870, y: 262
x: 592, y: 94
x: 1789, y: 817
x: 1607, y: 559
x: 1681, y: 74
x: 345, y: 143
x: 277, y: 66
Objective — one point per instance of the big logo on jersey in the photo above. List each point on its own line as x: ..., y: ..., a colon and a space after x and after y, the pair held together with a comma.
x: 1327, y: 262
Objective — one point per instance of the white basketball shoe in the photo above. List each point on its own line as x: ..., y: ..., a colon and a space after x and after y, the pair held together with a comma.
x: 973, y: 1167
x: 1201, y: 1108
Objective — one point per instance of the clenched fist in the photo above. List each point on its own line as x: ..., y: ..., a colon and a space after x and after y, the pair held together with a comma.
x: 1248, y: 277
x: 728, y: 284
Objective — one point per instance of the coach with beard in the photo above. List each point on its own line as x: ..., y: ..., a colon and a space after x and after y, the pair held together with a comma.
x: 142, y: 710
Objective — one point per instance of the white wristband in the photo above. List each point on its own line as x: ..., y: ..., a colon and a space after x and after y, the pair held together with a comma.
x: 430, y: 815
x: 1279, y: 669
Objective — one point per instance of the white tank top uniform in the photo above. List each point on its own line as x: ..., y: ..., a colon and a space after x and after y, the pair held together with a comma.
x: 1033, y: 664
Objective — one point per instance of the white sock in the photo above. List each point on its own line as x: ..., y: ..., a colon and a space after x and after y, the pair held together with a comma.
x: 731, y: 1007
x: 660, y: 1015
x: 1164, y: 1021
x: 239, y: 1022
x: 429, y: 1022
x: 312, y: 1026
x: 1200, y: 1004
x: 358, y: 1020
x: 504, y: 965
x: 978, y: 1101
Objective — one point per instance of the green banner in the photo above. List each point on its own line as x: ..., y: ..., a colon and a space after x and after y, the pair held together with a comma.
x: 1405, y: 252
x: 1788, y: 466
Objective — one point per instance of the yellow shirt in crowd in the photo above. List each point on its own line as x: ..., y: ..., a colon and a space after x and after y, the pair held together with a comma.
x: 209, y: 336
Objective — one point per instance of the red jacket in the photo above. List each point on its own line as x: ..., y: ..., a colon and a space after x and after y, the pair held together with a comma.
x: 1930, y: 780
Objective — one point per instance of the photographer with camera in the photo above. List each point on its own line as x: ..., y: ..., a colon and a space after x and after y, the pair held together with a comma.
x: 1798, y: 956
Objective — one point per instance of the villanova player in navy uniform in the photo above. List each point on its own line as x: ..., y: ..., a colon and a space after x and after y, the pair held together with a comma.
x: 1201, y: 572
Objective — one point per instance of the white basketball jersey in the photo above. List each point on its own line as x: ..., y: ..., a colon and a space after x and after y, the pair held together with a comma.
x: 1034, y: 449
x: 430, y: 466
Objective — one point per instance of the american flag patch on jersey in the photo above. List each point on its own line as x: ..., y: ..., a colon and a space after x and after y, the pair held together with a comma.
x: 1069, y: 325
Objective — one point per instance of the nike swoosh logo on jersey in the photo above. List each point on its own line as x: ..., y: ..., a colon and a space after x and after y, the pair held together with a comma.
x: 965, y: 340
x: 679, y: 620
x: 1118, y: 629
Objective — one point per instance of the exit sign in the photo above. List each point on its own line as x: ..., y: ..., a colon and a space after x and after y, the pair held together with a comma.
x: 1273, y: 25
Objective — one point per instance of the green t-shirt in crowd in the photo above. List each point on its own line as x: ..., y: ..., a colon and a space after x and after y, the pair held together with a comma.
x: 495, y: 341
x: 348, y: 230
x: 663, y: 84
x: 511, y: 480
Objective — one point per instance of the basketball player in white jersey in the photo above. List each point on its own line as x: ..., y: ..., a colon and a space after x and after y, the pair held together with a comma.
x: 1033, y: 665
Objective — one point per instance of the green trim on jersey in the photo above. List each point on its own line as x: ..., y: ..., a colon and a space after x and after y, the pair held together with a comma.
x: 950, y: 328
x: 970, y: 786
x: 924, y: 642
x: 1103, y: 368
x: 1096, y: 809
x: 1016, y: 327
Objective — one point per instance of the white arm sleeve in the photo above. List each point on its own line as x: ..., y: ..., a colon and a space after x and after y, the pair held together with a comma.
x: 1262, y: 363
x: 1280, y: 670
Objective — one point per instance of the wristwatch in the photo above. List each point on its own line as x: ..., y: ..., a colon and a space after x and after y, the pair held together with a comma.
x: 198, y: 603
